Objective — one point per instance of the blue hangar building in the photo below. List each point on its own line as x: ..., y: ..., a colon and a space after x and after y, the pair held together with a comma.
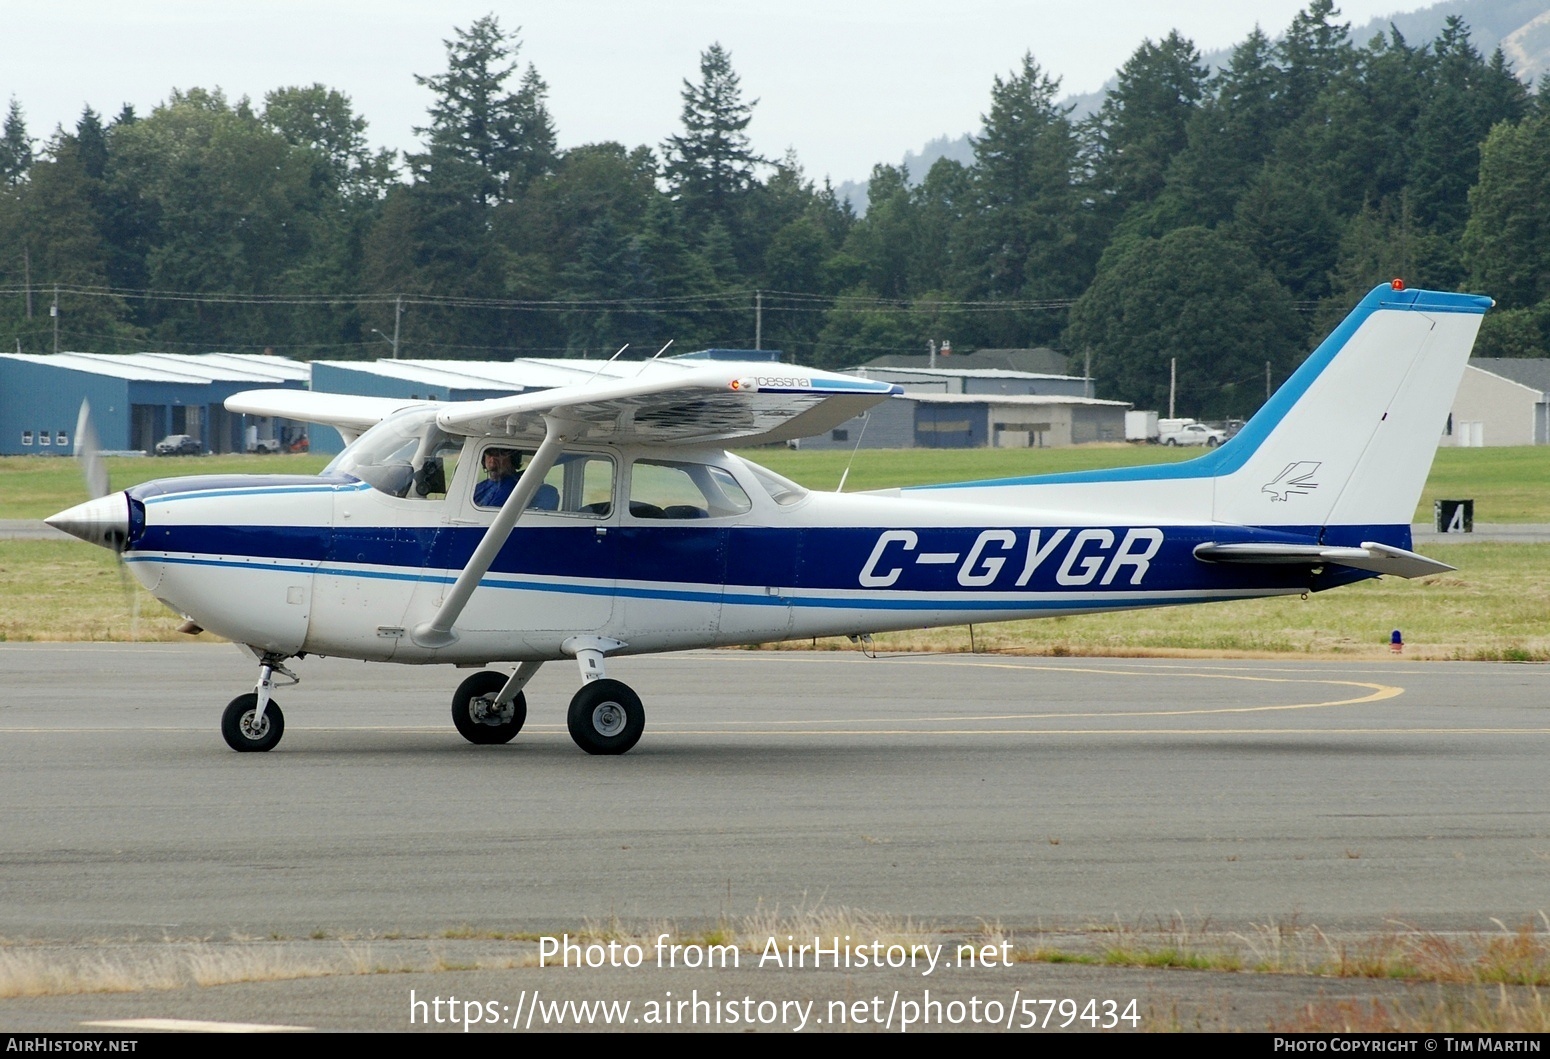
x: 137, y: 399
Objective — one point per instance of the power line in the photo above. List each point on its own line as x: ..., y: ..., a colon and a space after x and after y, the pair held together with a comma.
x: 723, y: 301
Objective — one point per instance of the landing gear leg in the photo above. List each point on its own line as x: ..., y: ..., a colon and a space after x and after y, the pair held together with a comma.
x: 606, y: 716
x: 253, y: 723
x: 489, y: 708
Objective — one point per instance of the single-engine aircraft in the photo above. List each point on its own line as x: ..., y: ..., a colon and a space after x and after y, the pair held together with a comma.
x: 631, y: 529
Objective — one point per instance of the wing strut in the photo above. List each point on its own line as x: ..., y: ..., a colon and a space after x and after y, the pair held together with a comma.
x: 438, y: 631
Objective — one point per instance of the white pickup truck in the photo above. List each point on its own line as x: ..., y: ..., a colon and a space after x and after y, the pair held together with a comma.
x: 1193, y: 434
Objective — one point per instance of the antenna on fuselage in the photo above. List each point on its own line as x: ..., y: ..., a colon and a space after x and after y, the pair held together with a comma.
x: 663, y: 350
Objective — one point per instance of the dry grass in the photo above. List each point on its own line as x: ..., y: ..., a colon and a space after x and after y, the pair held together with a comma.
x: 1501, y: 1010
x: 28, y: 972
x: 817, y: 921
x: 1510, y: 957
x: 1476, y: 982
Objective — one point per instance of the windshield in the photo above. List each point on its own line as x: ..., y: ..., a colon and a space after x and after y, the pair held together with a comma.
x: 783, y: 491
x: 390, y: 455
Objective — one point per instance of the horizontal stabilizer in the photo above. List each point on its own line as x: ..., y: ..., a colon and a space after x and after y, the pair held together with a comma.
x: 1378, y: 558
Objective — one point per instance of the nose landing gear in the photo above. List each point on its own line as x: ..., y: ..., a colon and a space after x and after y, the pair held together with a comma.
x: 253, y: 722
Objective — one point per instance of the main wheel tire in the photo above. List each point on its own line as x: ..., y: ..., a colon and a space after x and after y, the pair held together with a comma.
x: 606, y: 717
x: 238, y: 729
x: 474, y: 713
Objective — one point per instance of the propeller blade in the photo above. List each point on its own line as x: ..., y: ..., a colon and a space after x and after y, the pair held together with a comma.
x: 88, y: 449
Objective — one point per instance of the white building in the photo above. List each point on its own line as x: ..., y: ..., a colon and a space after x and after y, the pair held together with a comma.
x: 1501, y: 401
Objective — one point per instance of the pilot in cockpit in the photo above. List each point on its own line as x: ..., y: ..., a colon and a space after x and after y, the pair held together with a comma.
x: 500, y: 465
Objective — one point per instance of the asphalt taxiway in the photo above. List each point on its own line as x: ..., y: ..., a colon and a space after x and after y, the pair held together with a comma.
x: 958, y: 790
x: 951, y: 787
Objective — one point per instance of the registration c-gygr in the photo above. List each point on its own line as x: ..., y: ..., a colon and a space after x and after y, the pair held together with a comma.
x: 1087, y: 552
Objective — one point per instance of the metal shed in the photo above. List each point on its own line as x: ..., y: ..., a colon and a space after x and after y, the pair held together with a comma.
x: 136, y: 398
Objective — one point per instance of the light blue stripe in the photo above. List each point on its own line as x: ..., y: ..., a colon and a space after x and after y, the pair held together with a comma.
x: 269, y: 491
x: 684, y: 596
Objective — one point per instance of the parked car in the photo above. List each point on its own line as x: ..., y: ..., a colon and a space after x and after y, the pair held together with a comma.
x: 1194, y: 434
x: 179, y: 445
x: 264, y: 445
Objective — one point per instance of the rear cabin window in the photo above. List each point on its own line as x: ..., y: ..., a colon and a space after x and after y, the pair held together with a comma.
x: 662, y: 489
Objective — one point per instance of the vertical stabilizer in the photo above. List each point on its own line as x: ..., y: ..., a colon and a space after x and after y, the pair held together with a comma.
x: 1349, y: 439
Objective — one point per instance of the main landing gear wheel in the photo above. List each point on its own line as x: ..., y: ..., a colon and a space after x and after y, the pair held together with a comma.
x: 242, y: 735
x: 606, y: 717
x: 477, y: 717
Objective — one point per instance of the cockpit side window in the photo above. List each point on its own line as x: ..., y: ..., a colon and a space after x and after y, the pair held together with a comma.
x: 579, y: 483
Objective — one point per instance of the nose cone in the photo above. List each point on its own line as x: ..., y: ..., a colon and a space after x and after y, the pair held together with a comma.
x: 103, y: 522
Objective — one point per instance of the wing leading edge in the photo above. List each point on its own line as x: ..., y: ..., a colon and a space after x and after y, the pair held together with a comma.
x: 676, y: 404
x: 665, y: 402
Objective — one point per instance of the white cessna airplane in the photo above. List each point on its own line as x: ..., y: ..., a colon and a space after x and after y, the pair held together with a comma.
x: 628, y: 528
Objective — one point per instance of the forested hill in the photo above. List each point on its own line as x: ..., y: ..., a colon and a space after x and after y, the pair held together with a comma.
x: 1225, y: 219
x: 1521, y: 28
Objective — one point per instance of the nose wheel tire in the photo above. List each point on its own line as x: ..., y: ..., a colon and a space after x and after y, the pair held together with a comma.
x: 477, y: 717
x: 242, y: 734
x: 606, y: 717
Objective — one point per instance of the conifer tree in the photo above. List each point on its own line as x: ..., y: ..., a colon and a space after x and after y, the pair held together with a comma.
x: 1025, y: 236
x: 15, y: 147
x: 494, y: 136
x: 712, y: 164
x: 1144, y: 120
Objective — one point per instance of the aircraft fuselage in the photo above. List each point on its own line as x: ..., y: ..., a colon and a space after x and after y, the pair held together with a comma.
x: 331, y: 565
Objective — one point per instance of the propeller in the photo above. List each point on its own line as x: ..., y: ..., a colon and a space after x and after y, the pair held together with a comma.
x: 88, y: 449
x: 104, y: 518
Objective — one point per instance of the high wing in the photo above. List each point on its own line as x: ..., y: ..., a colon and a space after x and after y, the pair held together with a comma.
x: 665, y: 402
x: 347, y: 413
x: 670, y: 402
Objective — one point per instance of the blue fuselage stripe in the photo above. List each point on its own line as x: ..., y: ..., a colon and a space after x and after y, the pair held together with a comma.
x: 742, y: 564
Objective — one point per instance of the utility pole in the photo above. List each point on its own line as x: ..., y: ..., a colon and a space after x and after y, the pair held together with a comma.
x: 931, y: 353
x: 398, y: 312
x: 1173, y: 382
x: 53, y: 310
x: 27, y: 278
x: 1267, y: 380
x: 758, y: 319
x: 1087, y: 372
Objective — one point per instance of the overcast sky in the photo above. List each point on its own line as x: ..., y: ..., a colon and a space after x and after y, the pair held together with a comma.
x: 845, y: 83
